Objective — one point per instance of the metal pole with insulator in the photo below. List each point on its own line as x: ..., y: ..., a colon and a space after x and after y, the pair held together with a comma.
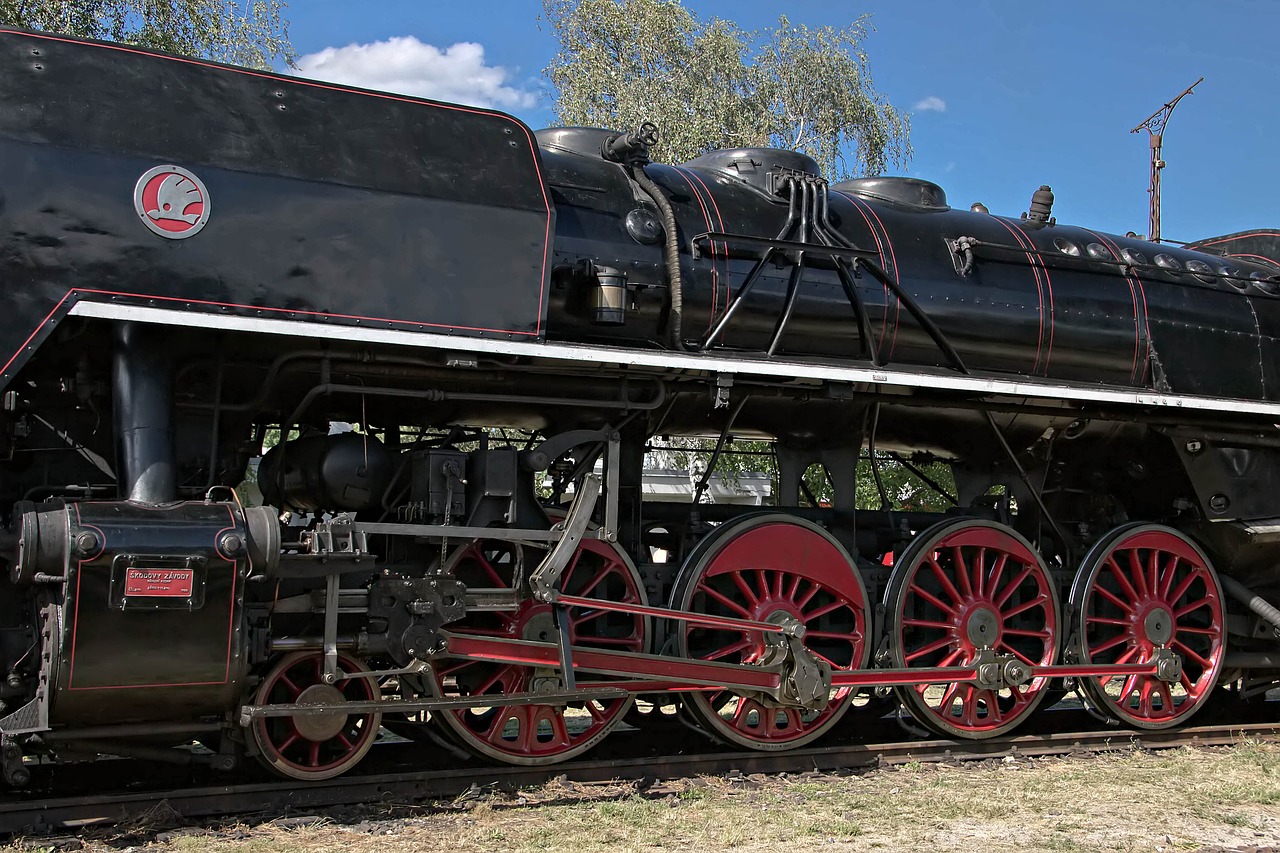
x: 1154, y: 125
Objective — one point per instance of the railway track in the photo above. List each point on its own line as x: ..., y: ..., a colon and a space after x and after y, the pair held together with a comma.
x: 34, y: 813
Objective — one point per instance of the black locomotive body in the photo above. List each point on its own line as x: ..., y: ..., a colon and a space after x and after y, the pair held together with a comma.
x: 203, y: 263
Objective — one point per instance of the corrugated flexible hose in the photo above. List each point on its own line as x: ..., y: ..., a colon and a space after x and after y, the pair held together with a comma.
x: 671, y: 255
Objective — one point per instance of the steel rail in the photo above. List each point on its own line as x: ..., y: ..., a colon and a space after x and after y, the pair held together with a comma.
x: 24, y: 814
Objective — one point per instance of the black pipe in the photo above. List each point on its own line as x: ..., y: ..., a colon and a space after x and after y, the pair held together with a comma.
x: 1256, y: 603
x: 217, y: 419
x: 143, y: 413
x: 1251, y: 660
x: 715, y: 454
x: 132, y: 750
x: 138, y: 730
x: 670, y: 253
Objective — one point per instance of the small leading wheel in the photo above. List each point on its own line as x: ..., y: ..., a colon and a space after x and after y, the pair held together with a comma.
x: 1141, y: 588
x: 537, y: 734
x: 758, y: 567
x: 317, y: 747
x: 962, y: 588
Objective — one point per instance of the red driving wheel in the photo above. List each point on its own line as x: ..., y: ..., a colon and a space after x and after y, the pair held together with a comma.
x: 756, y: 568
x: 537, y: 734
x: 963, y: 587
x: 1145, y: 587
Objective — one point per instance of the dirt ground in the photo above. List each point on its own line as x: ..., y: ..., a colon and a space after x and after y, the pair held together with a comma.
x: 1172, y: 800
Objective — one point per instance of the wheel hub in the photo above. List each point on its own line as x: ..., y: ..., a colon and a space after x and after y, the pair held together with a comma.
x: 1158, y: 626
x: 320, y: 727
x: 982, y: 627
x: 539, y: 627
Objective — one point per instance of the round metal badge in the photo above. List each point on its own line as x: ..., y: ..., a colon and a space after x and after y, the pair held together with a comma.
x: 171, y: 201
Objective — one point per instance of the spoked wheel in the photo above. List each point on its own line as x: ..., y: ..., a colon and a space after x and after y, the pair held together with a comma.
x: 960, y: 588
x: 756, y: 568
x: 1144, y: 587
x: 537, y: 734
x: 317, y: 747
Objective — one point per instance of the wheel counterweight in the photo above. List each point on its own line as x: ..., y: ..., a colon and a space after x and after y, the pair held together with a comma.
x: 1140, y: 589
x: 964, y: 589
x: 756, y: 568
x: 537, y: 734
x: 312, y: 748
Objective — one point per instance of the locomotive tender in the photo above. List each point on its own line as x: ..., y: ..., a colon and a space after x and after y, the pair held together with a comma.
x: 200, y: 262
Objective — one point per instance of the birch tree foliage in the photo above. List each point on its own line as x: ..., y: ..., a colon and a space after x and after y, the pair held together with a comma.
x: 252, y: 33
x: 711, y: 84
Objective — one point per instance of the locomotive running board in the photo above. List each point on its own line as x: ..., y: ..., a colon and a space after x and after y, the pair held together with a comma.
x: 920, y: 378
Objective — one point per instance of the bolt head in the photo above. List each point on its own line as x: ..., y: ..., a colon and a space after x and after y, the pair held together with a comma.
x: 1016, y: 673
x: 230, y: 543
x: 86, y: 542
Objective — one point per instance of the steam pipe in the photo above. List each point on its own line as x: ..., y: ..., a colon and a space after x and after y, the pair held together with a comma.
x: 142, y: 382
x: 1256, y: 603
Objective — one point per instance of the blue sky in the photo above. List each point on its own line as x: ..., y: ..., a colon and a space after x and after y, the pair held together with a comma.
x: 1030, y: 92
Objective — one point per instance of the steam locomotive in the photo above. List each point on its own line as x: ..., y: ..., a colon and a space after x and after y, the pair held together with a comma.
x: 203, y: 265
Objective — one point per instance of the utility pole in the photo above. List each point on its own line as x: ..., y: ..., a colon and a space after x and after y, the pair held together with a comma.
x: 1154, y: 125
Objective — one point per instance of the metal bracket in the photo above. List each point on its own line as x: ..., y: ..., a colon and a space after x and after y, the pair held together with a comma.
x: 612, y: 467
x: 331, y: 672
x: 806, y: 679
x: 724, y: 384
x: 566, y: 649
x: 1168, y: 664
x: 996, y: 671
x: 546, y: 577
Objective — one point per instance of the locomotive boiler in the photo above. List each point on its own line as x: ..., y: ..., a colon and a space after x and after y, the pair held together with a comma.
x: 451, y: 341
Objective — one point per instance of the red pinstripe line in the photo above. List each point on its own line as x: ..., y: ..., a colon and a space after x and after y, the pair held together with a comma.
x: 897, y: 276
x: 235, y: 586
x: 1238, y: 237
x: 715, y: 275
x: 728, y: 280
x: 1048, y: 284
x: 77, y: 291
x: 1263, y: 258
x: 1146, y: 316
x: 1035, y: 272
x: 75, y: 619
x: 75, y: 622
x: 35, y: 331
x: 884, y: 314
x: 237, y: 305
x: 533, y: 148
x: 295, y: 311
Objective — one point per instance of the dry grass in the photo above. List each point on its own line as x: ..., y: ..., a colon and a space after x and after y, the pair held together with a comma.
x: 1166, y: 801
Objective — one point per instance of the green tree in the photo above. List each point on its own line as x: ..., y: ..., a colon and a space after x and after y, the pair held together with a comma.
x: 711, y: 84
x: 739, y: 459
x: 252, y: 33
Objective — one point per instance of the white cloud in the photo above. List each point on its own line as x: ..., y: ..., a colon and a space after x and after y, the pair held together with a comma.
x: 457, y: 74
x: 931, y: 104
